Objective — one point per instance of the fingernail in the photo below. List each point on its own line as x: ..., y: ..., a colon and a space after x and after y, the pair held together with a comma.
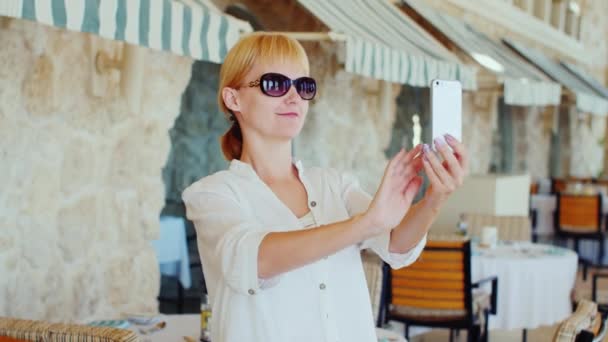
x: 426, y: 149
x: 439, y: 142
x: 450, y: 138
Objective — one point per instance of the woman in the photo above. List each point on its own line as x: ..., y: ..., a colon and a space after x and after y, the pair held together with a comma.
x: 280, y: 243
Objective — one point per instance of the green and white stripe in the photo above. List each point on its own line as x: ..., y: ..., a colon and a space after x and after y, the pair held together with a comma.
x: 384, y: 43
x: 587, y: 99
x: 523, y: 84
x: 188, y: 28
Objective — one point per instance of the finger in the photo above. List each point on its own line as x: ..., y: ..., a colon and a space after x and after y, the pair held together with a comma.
x: 394, y: 164
x: 432, y: 176
x: 407, y: 159
x: 413, y: 153
x: 417, y: 164
x: 411, y: 189
x: 441, y: 172
x: 459, y: 150
x: 454, y: 168
x: 411, y: 170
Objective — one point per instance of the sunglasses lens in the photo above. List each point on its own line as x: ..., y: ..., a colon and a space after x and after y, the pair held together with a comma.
x: 275, y: 84
x: 307, y: 87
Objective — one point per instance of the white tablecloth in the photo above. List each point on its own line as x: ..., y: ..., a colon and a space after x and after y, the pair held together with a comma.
x: 534, y: 283
x: 179, y: 326
x: 172, y: 250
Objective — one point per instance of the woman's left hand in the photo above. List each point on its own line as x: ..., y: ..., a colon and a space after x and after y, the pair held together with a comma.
x: 448, y: 176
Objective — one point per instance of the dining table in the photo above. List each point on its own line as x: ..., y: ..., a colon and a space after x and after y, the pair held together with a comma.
x: 186, y: 328
x: 535, y: 282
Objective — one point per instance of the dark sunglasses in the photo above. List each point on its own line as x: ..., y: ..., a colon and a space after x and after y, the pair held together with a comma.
x: 277, y: 85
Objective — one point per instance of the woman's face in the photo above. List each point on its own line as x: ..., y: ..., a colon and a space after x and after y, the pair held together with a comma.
x: 275, y: 118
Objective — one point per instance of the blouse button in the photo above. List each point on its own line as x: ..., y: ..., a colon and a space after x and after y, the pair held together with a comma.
x: 313, y: 204
x: 322, y: 286
x: 251, y: 291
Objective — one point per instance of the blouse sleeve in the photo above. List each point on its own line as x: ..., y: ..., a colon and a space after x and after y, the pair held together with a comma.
x: 224, y: 228
x: 357, y: 201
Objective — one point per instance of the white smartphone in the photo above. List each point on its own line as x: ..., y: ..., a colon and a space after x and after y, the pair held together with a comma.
x: 446, y: 109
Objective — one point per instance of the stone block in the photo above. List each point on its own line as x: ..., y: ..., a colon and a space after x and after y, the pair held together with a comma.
x: 76, y: 225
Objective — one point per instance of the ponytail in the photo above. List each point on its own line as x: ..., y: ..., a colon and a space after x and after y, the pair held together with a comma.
x: 232, y: 141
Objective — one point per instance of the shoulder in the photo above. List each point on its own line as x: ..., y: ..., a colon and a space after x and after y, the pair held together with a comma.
x: 221, y: 183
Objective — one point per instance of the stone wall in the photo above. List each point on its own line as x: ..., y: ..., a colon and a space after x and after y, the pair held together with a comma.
x: 594, y: 30
x: 81, y: 176
x: 532, y: 140
x: 345, y: 128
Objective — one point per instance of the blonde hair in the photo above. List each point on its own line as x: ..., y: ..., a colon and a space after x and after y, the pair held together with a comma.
x: 258, y: 47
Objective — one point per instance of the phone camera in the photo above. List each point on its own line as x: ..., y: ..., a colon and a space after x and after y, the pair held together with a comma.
x: 436, y: 82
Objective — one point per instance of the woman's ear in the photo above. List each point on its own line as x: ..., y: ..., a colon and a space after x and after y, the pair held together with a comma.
x: 231, y: 100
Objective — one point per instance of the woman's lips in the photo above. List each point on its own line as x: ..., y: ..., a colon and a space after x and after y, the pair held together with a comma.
x: 289, y: 114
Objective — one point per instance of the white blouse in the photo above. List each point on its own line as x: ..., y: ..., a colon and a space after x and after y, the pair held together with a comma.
x: 326, y: 300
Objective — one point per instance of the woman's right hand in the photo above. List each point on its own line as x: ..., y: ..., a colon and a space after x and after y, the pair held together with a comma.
x: 399, y: 185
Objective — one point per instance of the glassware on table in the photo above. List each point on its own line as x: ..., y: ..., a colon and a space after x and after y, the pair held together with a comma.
x: 205, y: 318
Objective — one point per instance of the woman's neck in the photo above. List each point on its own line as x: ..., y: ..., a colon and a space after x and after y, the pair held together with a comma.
x: 271, y: 161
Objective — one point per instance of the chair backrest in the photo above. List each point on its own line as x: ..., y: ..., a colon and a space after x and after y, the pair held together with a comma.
x: 45, y: 331
x: 578, y: 213
x: 373, y: 268
x: 510, y: 228
x: 439, y: 280
x: 561, y: 184
x: 585, y: 318
x: 558, y: 185
x: 534, y: 186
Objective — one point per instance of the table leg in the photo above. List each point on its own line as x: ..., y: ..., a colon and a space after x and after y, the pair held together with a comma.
x: 180, y: 298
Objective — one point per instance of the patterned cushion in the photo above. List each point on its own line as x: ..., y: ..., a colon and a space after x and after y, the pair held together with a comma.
x: 45, y: 331
x: 582, y: 319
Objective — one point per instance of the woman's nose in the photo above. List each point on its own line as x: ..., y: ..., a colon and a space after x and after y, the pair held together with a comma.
x: 292, y: 95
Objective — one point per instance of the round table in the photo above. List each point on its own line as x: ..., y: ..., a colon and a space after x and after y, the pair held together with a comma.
x: 534, y: 283
x: 183, y: 328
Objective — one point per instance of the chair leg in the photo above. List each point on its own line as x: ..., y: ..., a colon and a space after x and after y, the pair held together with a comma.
x: 473, y: 334
x: 600, y: 253
x: 524, y: 335
x: 486, y: 330
x: 451, y: 335
x: 407, y: 332
x: 180, y: 298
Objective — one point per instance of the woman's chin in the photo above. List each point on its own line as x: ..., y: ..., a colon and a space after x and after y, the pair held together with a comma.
x: 287, y: 134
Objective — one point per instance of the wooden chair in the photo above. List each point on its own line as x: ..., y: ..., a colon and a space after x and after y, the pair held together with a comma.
x: 374, y: 275
x: 586, y: 324
x: 533, y: 188
x: 436, y: 291
x: 510, y: 228
x: 560, y: 184
x: 580, y: 217
x: 29, y: 330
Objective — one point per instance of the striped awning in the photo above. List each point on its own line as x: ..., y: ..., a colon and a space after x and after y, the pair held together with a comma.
x: 383, y: 43
x: 523, y: 85
x: 192, y: 28
x: 587, y: 99
x: 585, y: 77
